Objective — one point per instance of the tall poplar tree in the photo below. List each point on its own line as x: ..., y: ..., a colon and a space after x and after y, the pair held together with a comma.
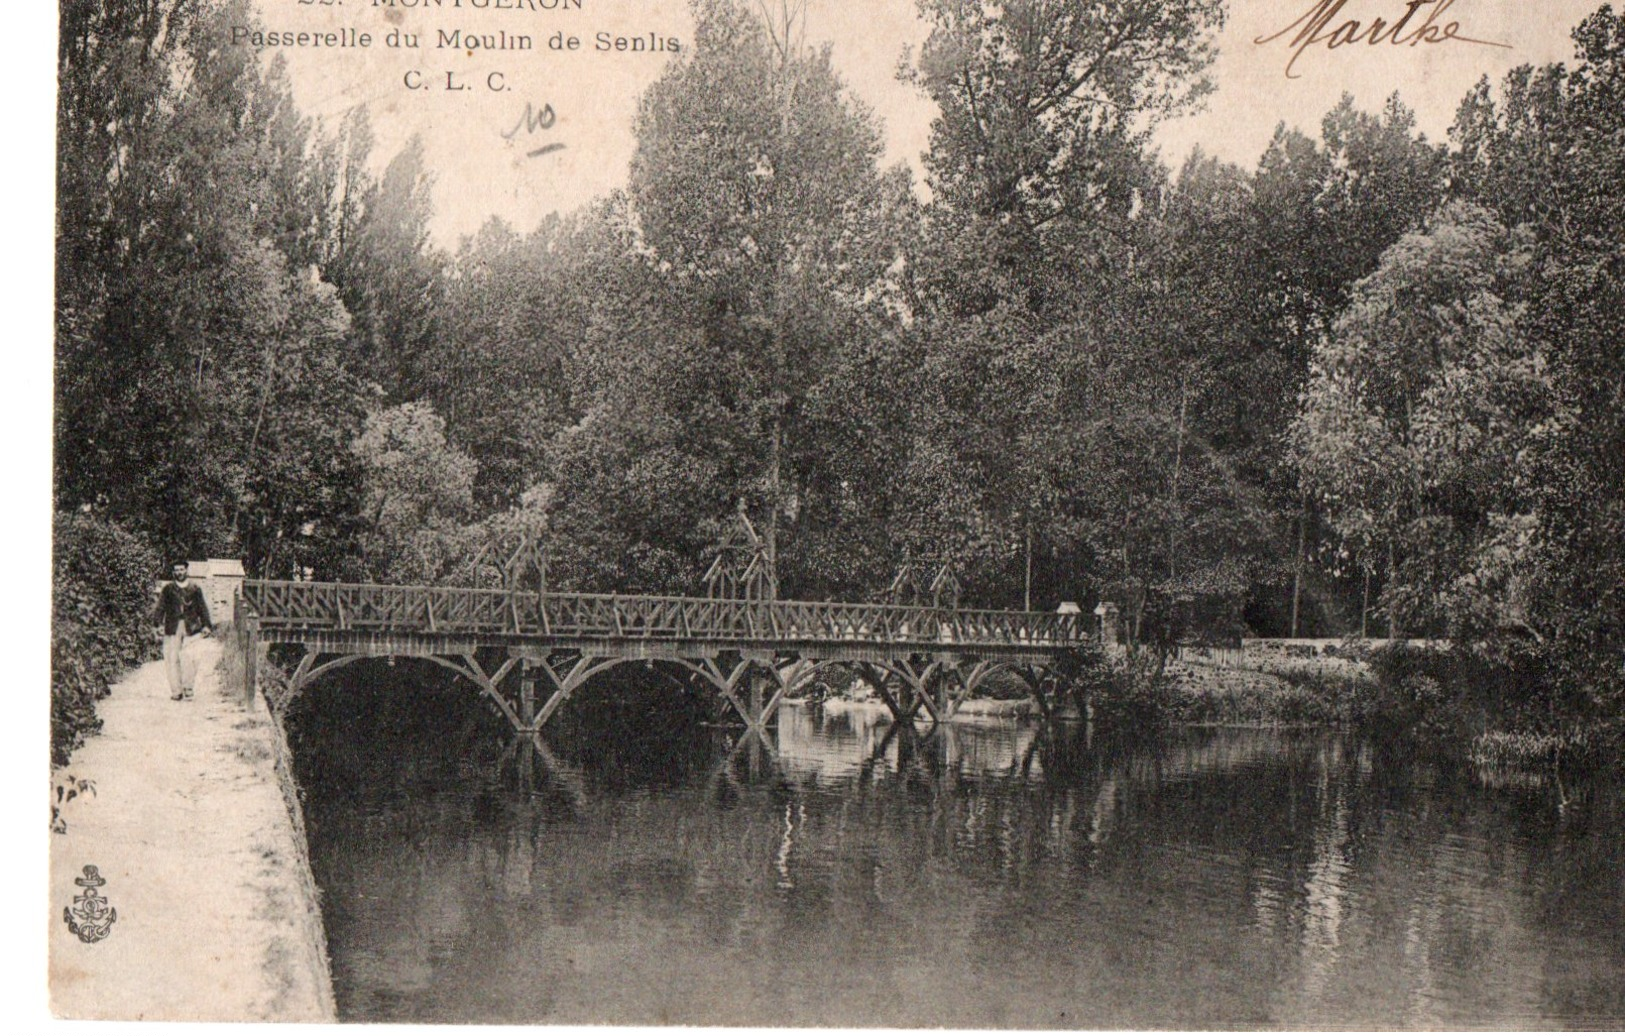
x: 195, y: 355
x: 768, y: 232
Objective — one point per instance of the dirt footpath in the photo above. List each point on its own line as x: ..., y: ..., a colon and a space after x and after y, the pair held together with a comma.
x: 216, y: 912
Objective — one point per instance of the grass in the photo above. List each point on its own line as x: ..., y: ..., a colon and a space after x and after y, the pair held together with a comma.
x: 251, y: 750
x: 1601, y: 744
x: 1500, y: 748
x: 1295, y: 695
x: 278, y: 966
x: 63, y: 791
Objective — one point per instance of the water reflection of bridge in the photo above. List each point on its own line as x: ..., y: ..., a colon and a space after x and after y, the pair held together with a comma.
x: 923, y: 660
x: 837, y: 740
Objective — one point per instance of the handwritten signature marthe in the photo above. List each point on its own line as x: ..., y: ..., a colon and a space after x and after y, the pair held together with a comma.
x: 1313, y: 28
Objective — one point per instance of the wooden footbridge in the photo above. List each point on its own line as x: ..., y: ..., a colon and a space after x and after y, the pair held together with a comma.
x: 923, y: 658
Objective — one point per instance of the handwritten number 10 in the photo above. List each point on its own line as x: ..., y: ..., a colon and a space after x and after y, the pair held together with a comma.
x: 531, y: 121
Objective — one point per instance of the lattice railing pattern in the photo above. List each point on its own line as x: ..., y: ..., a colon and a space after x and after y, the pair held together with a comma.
x: 431, y: 609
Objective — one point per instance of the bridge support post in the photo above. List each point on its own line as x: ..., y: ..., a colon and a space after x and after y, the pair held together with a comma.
x: 875, y: 675
x: 527, y: 694
x: 757, y: 707
x: 564, y: 679
x: 969, y: 676
x: 923, y: 684
x: 251, y: 661
x: 756, y: 685
x: 754, y: 718
x: 917, y: 687
x: 301, y: 672
x: 1035, y: 677
x: 246, y: 628
x: 527, y: 762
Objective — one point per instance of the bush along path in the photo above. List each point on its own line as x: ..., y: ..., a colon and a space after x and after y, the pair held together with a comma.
x: 186, y: 825
x: 101, y: 600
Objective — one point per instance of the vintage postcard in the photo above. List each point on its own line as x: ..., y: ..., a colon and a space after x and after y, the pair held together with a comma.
x: 1080, y: 514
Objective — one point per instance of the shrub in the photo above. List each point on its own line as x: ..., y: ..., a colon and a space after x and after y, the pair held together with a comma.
x: 101, y: 597
x: 1129, y: 691
x: 1293, y: 696
x: 1415, y: 692
x: 1504, y: 749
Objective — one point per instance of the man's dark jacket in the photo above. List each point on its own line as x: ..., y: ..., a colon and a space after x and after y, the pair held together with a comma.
x: 176, y: 602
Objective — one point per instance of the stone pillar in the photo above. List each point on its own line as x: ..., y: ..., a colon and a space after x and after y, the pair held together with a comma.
x: 221, y: 579
x: 1111, y: 635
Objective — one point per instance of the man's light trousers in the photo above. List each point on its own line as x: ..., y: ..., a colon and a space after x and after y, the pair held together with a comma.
x: 180, y: 671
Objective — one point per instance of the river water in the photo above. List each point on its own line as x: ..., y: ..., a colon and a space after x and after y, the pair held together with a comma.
x: 649, y: 868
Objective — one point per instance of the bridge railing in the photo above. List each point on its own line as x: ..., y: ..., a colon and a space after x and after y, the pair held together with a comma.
x: 281, y: 605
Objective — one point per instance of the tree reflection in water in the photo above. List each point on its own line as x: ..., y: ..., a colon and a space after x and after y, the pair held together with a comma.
x: 653, y: 869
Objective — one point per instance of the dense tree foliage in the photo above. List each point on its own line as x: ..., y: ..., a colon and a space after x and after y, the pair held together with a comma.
x: 1549, y: 155
x: 1418, y: 415
x: 1465, y: 411
x: 204, y: 394
x: 1373, y: 374
x: 761, y: 237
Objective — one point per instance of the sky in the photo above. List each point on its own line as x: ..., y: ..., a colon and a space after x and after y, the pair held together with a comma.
x: 483, y: 168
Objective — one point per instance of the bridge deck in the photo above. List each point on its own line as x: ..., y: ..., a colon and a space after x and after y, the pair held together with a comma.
x: 352, y: 614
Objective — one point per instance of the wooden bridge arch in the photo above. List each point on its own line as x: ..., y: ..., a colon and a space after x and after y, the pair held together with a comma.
x: 921, y: 658
x: 520, y: 710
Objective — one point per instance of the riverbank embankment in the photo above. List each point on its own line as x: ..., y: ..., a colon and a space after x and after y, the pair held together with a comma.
x: 188, y: 826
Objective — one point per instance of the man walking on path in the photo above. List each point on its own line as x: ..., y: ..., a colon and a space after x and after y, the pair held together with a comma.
x: 181, y: 608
